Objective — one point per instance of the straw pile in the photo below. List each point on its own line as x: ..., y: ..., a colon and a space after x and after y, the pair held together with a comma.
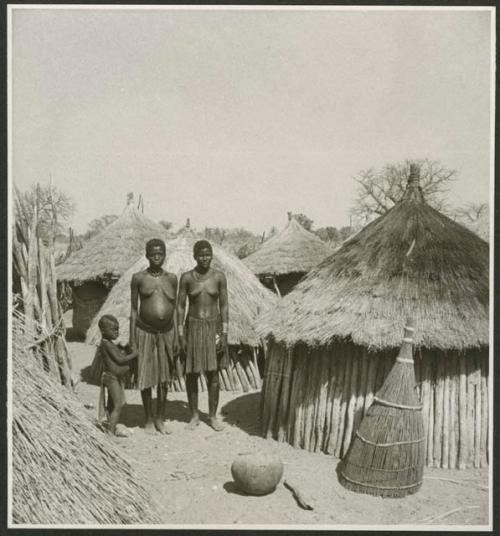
x: 387, y: 455
x: 109, y: 254
x: 333, y: 339
x: 288, y: 255
x: 64, y: 470
x: 247, y: 300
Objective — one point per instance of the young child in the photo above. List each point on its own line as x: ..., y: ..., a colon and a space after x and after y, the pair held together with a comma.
x: 115, y: 362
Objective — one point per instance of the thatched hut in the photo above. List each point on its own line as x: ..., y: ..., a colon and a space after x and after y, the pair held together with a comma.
x: 65, y: 471
x: 247, y: 300
x: 286, y: 257
x: 335, y: 336
x: 94, y: 269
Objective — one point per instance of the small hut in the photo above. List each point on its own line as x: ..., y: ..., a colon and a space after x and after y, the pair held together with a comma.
x: 247, y: 300
x: 335, y: 337
x: 94, y: 269
x: 286, y: 257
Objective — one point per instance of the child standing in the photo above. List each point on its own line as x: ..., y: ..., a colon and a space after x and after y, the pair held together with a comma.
x: 116, y: 365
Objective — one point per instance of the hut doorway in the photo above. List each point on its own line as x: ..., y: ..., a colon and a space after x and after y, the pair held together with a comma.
x: 88, y: 298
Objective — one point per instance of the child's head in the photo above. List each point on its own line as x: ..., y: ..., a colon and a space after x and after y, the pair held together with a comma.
x: 109, y: 327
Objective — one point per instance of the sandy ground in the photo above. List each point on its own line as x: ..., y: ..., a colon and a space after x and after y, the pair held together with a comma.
x: 188, y: 473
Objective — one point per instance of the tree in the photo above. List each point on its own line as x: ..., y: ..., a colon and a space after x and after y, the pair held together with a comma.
x: 166, y: 224
x: 328, y: 234
x: 54, y: 208
x: 306, y: 222
x: 378, y: 191
x: 476, y: 217
x: 98, y: 225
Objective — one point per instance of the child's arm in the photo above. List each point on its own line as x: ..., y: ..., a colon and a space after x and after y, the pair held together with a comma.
x: 117, y: 355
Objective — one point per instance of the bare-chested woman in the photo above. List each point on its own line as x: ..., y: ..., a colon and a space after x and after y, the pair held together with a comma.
x: 152, y: 332
x: 206, y: 289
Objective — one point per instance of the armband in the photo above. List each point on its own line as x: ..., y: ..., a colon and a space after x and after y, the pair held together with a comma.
x: 180, y: 330
x: 224, y: 327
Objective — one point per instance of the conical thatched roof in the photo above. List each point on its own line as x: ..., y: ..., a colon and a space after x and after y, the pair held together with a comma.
x: 111, y: 252
x: 247, y: 297
x: 412, y: 261
x: 294, y: 249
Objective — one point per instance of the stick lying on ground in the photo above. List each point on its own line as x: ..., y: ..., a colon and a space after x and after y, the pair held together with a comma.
x: 298, y: 496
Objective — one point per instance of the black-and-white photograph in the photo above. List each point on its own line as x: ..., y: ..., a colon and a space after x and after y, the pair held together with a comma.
x: 250, y: 266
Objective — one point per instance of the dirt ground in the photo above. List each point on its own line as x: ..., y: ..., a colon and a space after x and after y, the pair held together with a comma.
x: 188, y: 473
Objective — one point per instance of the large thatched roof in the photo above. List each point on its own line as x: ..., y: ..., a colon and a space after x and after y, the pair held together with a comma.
x: 112, y: 251
x: 413, y: 261
x: 247, y: 297
x: 294, y: 249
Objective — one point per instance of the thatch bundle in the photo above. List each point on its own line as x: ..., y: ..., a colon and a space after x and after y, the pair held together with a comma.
x: 286, y: 257
x: 387, y: 455
x: 247, y: 300
x: 64, y: 470
x: 336, y: 333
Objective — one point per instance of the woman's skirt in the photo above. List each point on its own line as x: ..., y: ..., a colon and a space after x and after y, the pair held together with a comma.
x: 202, y: 354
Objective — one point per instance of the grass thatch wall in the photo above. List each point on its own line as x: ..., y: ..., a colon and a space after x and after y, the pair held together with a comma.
x: 64, y: 470
x: 315, y: 399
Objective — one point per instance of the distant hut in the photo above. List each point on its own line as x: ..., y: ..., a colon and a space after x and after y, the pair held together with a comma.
x: 94, y: 269
x: 247, y: 300
x: 286, y: 257
x: 335, y: 336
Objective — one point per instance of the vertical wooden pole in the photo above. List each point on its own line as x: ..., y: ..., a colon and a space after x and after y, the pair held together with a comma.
x: 446, y: 406
x: 463, y: 431
x: 484, y: 409
x: 453, y: 409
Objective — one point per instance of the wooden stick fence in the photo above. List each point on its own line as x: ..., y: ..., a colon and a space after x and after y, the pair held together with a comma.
x: 34, y: 269
x: 242, y: 374
x: 315, y: 399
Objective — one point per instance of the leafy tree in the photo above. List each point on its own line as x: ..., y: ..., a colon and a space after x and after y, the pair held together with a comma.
x: 166, y: 224
x: 306, y: 222
x: 328, y: 234
x: 378, y: 191
x: 98, y: 225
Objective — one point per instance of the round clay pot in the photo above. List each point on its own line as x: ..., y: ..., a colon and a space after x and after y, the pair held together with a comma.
x: 257, y: 474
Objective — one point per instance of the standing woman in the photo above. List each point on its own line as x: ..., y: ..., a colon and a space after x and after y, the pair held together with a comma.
x: 207, y: 318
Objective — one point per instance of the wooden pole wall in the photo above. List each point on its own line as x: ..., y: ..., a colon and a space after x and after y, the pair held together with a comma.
x: 318, y: 398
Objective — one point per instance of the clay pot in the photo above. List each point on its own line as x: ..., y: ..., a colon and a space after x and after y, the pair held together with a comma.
x: 257, y: 474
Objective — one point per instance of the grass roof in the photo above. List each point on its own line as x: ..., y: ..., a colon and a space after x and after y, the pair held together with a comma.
x: 412, y: 261
x: 109, y: 254
x: 247, y: 297
x: 294, y: 249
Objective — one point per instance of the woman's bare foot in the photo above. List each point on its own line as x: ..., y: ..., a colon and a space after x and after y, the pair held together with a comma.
x: 162, y: 427
x: 193, y: 423
x: 149, y: 427
x: 215, y: 424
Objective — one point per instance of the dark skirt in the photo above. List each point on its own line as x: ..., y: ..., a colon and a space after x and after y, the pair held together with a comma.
x: 202, y: 355
x: 155, y: 362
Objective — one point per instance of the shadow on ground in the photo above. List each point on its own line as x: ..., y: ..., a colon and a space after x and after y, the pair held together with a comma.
x: 133, y: 414
x: 244, y: 412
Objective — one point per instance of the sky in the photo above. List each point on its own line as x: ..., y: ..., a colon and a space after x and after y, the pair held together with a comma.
x: 234, y: 117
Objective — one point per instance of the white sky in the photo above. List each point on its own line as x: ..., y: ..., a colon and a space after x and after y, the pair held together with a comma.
x: 233, y: 117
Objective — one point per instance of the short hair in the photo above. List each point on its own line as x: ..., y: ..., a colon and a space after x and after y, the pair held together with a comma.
x: 106, y: 320
x: 155, y: 243
x: 201, y: 244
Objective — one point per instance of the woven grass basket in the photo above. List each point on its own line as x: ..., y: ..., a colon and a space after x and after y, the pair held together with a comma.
x: 387, y: 455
